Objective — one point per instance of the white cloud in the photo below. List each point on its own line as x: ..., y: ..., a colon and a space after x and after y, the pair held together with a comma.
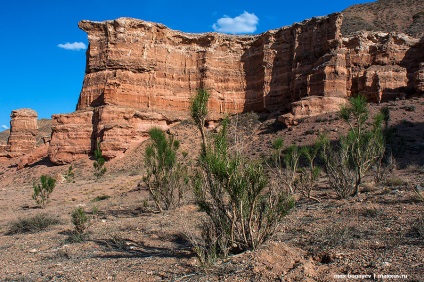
x: 244, y: 23
x: 75, y: 46
x: 4, y: 127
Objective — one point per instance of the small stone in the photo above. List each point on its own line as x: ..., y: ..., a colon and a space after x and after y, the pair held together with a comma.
x: 385, y: 263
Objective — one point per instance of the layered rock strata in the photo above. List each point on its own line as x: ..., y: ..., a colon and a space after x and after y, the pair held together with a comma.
x: 149, y: 67
x: 382, y: 66
x: 141, y: 74
x: 23, y: 132
x: 311, y: 106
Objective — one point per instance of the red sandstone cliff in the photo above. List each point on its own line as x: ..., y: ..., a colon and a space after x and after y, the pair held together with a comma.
x: 140, y: 74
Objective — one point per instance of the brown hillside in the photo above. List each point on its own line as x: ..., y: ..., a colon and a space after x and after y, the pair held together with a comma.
x: 405, y: 16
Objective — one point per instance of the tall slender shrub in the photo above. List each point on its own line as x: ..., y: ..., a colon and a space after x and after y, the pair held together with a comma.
x: 99, y: 162
x: 242, y: 209
x: 165, y: 177
x: 357, y: 151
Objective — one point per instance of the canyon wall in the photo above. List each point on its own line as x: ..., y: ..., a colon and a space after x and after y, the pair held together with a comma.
x: 149, y: 67
x: 141, y: 74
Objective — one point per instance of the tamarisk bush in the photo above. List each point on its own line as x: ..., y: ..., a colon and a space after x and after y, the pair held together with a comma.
x: 165, y: 177
x: 99, y: 163
x: 43, y: 190
x: 243, y: 210
x: 348, y: 161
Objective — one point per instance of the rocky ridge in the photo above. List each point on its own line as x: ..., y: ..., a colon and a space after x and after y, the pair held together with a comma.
x: 402, y: 16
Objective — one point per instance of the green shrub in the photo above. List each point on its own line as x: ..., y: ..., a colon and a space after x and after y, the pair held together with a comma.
x: 43, y: 190
x: 166, y: 178
x: 286, y: 167
x: 348, y: 161
x: 395, y: 182
x: 80, y: 221
x: 199, y: 112
x: 385, y: 163
x: 33, y: 224
x: 243, y: 210
x: 309, y: 174
x: 99, y: 163
x: 70, y: 174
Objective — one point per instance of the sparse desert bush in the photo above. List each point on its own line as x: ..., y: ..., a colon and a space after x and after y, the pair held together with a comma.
x: 242, y: 209
x: 335, y: 235
x: 43, y: 190
x: 383, y: 168
x: 349, y: 160
x: 80, y: 221
x: 395, y: 182
x: 309, y: 175
x: 199, y: 112
x: 285, y: 168
x: 99, y: 162
x: 371, y: 211
x: 341, y: 175
x: 166, y: 178
x: 33, y: 224
x: 70, y: 174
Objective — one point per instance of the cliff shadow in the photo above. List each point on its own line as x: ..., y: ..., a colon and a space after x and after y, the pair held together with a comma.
x: 254, y: 72
x: 407, y: 144
x: 413, y: 57
x: 43, y: 162
x: 279, y: 95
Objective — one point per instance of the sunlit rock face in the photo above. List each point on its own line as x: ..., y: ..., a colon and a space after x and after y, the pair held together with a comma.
x: 141, y: 74
x: 149, y: 67
x: 23, y: 132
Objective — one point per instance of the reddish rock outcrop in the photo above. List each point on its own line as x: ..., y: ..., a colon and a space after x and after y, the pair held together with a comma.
x: 120, y: 127
x: 141, y: 74
x: 382, y: 65
x: 149, y: 67
x: 23, y: 132
x: 72, y: 136
x: 311, y: 106
x: 34, y: 156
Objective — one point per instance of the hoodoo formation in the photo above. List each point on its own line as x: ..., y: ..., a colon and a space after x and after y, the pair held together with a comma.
x: 141, y: 74
x: 23, y: 132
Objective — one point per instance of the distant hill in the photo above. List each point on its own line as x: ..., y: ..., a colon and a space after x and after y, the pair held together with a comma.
x: 44, y: 129
x: 3, y: 136
x: 406, y: 16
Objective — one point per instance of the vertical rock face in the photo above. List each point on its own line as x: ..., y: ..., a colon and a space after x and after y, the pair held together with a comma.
x: 120, y: 127
x: 72, y: 136
x: 23, y: 132
x: 141, y: 74
x: 149, y: 67
x: 382, y: 65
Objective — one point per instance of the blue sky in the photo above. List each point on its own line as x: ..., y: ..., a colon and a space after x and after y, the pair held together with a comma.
x: 43, y: 51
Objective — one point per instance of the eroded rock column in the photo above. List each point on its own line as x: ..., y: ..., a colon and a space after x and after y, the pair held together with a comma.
x: 23, y: 132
